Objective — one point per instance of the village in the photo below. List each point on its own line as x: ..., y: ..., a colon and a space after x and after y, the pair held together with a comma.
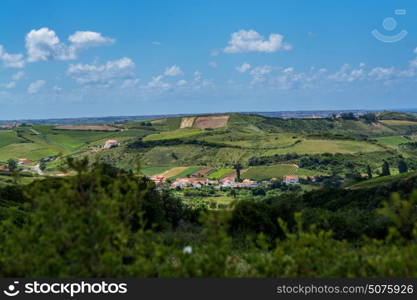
x: 227, y: 182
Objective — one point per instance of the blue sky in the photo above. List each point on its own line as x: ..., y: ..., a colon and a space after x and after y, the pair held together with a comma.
x: 100, y: 58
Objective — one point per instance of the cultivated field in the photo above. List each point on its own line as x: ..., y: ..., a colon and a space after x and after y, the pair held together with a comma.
x: 211, y: 122
x: 277, y: 171
x: 8, y: 137
x: 187, y: 122
x: 174, y: 134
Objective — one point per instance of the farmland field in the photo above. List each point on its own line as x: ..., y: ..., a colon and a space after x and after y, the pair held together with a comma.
x: 150, y: 171
x: 31, y: 151
x: 398, y: 122
x: 8, y: 137
x: 221, y: 173
x: 173, y: 172
x: 187, y: 172
x: 392, y: 140
x: 88, y: 128
x: 330, y: 146
x: 175, y: 134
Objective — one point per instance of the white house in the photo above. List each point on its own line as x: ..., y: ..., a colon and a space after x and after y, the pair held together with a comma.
x: 291, y: 179
x: 110, y: 144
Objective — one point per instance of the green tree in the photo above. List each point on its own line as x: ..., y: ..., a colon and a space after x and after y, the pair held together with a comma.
x: 369, y: 171
x: 402, y: 166
x: 12, y: 164
x: 238, y: 167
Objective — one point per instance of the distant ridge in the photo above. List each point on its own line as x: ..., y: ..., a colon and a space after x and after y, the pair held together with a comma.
x: 126, y: 119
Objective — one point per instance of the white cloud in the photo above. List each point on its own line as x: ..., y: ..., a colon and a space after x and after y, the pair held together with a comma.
x: 10, y: 85
x: 15, y: 78
x: 181, y: 82
x: 173, y: 71
x: 158, y: 83
x: 156, y: 43
x: 86, y: 39
x: 215, y: 52
x: 57, y: 89
x: 259, y: 73
x: 102, y: 74
x: 213, y: 64
x: 129, y: 83
x: 11, y: 60
x: 43, y: 44
x: 380, y: 73
x: 252, y: 41
x: 35, y: 86
x: 349, y: 74
x: 243, y: 68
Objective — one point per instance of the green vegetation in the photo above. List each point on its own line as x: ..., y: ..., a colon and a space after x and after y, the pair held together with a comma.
x: 392, y: 140
x: 30, y: 151
x: 175, y: 134
x: 8, y: 137
x: 344, y: 146
x: 108, y: 223
x: 383, y: 180
x: 276, y: 171
x: 221, y: 173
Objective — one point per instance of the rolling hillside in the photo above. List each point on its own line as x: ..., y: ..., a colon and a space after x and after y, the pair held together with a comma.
x: 220, y: 141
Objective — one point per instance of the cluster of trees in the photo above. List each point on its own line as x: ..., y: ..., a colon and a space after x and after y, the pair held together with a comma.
x: 104, y: 222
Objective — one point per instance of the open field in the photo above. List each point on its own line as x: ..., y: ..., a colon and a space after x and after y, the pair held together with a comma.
x: 173, y: 172
x: 30, y: 151
x: 392, y: 140
x: 8, y: 137
x: 382, y: 180
x: 187, y: 172
x: 398, y: 122
x: 175, y: 134
x: 211, y: 122
x: 276, y: 171
x: 315, y: 146
x: 150, y: 171
x: 187, y: 122
x: 221, y: 173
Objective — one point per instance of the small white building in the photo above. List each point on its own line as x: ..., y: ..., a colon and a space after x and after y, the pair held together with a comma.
x: 291, y: 179
x: 110, y: 144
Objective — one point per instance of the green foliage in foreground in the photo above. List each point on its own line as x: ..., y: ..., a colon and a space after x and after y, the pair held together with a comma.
x: 104, y: 223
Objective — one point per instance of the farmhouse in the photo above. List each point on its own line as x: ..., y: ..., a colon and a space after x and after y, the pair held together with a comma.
x: 110, y: 144
x: 4, y: 168
x: 247, y: 183
x: 158, y: 179
x: 291, y: 179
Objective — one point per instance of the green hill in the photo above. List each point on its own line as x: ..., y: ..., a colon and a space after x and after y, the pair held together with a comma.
x: 222, y: 140
x: 383, y: 180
